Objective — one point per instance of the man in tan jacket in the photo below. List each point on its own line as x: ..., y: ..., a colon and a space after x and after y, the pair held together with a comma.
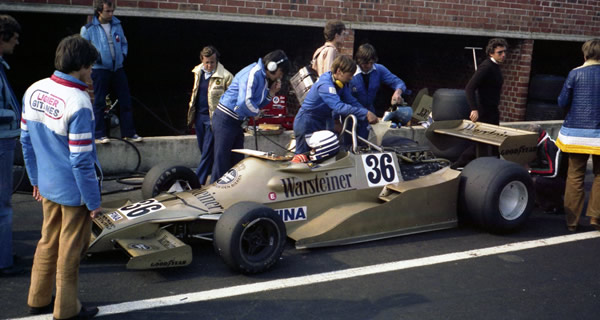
x: 211, y: 80
x: 334, y: 37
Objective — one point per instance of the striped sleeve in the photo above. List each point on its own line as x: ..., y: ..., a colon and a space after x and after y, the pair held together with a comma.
x: 80, y: 142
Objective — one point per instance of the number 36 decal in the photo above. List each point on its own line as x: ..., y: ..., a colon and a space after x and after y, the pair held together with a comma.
x: 380, y: 169
x: 141, y: 208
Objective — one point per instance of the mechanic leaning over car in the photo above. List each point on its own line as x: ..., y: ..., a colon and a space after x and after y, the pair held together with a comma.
x: 368, y: 79
x: 483, y: 93
x: 211, y: 80
x: 330, y: 94
x: 579, y: 134
x: 57, y: 134
x: 251, y: 90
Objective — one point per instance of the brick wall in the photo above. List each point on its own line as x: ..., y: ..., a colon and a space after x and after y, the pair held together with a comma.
x: 520, y: 21
x: 516, y: 81
x: 563, y: 17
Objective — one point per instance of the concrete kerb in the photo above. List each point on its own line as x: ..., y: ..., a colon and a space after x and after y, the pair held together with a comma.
x: 119, y: 157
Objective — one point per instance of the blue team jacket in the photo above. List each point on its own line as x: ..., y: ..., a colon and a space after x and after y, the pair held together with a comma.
x: 379, y: 75
x: 95, y: 33
x: 248, y: 92
x: 324, y: 97
x: 57, y: 134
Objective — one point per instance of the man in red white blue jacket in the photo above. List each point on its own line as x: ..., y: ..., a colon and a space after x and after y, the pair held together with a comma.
x: 57, y: 134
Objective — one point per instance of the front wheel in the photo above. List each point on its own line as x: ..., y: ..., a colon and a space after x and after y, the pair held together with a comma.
x: 249, y: 237
x: 496, y: 194
x: 167, y: 177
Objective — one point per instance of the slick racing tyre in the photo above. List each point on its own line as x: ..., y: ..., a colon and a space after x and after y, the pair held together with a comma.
x: 249, y: 237
x: 495, y: 194
x: 167, y: 177
x: 450, y: 104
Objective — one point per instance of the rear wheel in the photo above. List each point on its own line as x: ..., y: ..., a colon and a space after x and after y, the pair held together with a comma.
x: 496, y: 194
x: 167, y: 177
x: 450, y: 104
x: 250, y: 237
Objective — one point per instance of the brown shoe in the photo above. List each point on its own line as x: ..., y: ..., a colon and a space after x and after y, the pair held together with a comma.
x: 572, y: 228
x: 595, y: 222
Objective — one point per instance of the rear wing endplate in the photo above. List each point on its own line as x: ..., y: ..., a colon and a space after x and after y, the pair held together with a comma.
x: 513, y: 144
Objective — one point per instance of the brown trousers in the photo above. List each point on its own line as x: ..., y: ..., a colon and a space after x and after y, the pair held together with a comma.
x: 575, y: 193
x: 65, y: 237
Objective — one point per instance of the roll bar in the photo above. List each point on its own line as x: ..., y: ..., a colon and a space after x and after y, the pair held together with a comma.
x: 355, y: 137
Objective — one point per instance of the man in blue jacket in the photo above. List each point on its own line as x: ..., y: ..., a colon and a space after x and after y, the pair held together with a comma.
x: 251, y: 90
x: 10, y: 114
x: 328, y: 96
x: 368, y: 79
x: 57, y: 134
x: 106, y: 34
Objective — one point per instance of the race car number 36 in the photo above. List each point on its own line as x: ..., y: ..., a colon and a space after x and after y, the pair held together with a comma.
x: 380, y: 169
x: 141, y: 208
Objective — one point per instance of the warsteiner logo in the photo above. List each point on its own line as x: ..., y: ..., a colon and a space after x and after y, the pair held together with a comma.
x: 293, y: 187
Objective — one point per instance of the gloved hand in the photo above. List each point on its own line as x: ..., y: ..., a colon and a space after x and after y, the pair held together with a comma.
x: 300, y: 158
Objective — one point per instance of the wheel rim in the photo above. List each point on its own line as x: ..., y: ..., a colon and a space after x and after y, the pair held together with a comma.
x: 259, y: 240
x: 513, y: 200
x: 178, y: 186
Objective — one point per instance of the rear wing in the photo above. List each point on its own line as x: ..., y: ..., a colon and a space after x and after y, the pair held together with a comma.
x: 513, y: 144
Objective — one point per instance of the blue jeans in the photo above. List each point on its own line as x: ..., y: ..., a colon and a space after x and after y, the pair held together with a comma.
x: 205, y: 135
x: 228, y: 135
x: 104, y: 82
x: 7, y: 151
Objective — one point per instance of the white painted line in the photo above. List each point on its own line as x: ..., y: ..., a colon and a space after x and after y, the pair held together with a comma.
x: 331, y: 276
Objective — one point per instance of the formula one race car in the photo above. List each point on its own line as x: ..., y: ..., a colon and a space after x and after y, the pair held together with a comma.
x: 364, y: 194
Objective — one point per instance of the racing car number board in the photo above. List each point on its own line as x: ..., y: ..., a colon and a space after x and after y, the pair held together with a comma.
x: 141, y: 208
x: 380, y: 169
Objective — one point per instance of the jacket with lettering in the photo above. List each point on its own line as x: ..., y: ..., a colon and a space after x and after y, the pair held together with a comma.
x: 9, y: 108
x: 248, y: 92
x: 325, y: 97
x: 217, y: 84
x: 95, y: 33
x: 57, y: 134
x: 379, y: 75
x: 580, y: 95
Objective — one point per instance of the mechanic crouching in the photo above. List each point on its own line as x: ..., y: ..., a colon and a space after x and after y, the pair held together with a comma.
x: 251, y: 90
x: 329, y: 95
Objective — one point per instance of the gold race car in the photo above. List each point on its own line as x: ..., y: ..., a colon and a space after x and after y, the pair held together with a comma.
x: 367, y: 193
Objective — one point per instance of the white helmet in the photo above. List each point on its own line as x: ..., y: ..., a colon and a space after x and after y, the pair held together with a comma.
x: 324, y: 143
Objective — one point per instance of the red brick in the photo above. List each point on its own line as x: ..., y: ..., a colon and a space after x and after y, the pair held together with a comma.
x: 147, y: 4
x: 254, y: 4
x: 209, y: 8
x: 247, y: 10
x: 172, y: 6
x: 226, y: 9
x: 188, y: 7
